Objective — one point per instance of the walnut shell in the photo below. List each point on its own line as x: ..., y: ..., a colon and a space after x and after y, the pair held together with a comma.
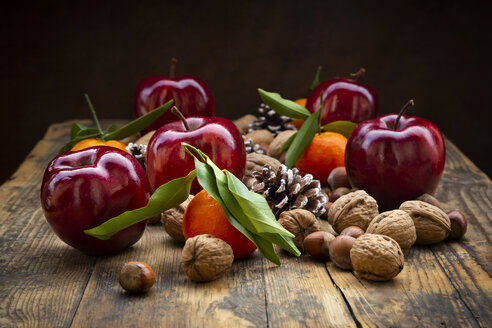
x: 172, y: 220
x: 300, y: 223
x: 353, y: 209
x: 144, y: 140
x: 431, y: 223
x: 205, y: 257
x: 243, y: 122
x: 396, y: 224
x: 376, y: 257
x: 260, y: 137
x: 255, y: 162
x: 274, y: 150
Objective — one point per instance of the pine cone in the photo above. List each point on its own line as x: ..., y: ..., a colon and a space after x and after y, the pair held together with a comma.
x: 271, y: 121
x: 286, y: 189
x: 250, y: 148
x: 138, y: 151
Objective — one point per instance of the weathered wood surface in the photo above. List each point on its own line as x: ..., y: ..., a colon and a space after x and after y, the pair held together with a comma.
x: 45, y: 283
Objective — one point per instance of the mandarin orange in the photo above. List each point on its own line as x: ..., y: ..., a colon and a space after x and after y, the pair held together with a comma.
x: 326, y: 152
x: 86, y: 143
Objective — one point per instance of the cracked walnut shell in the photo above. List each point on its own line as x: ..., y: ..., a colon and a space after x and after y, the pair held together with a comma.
x: 172, y: 220
x: 376, y: 257
x: 353, y: 209
x: 396, y: 224
x: 431, y: 223
x: 205, y: 257
x: 300, y: 223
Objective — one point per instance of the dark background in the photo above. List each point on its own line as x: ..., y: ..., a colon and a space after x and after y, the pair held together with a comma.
x: 437, y: 53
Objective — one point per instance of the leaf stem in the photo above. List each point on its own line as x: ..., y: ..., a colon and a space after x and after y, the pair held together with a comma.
x: 176, y: 112
x: 409, y: 104
x: 93, y: 113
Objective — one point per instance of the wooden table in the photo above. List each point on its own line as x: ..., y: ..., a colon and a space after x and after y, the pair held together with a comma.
x: 45, y: 283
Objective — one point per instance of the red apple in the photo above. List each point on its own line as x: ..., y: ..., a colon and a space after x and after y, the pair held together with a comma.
x: 215, y: 136
x: 83, y: 189
x: 344, y: 99
x: 191, y: 95
x: 395, y: 158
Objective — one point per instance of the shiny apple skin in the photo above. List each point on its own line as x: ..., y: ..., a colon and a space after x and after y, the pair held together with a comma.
x: 191, y: 95
x: 395, y: 166
x: 215, y: 136
x: 82, y: 189
x: 344, y: 100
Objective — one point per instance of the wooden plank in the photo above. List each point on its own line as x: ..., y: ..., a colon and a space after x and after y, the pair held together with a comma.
x: 47, y: 283
x: 447, y: 284
x: 235, y: 299
x: 42, y: 280
x: 300, y: 293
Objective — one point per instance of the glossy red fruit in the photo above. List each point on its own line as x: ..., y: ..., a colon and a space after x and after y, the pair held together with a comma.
x: 191, y: 95
x: 395, y: 164
x: 344, y: 99
x: 83, y: 189
x: 215, y: 136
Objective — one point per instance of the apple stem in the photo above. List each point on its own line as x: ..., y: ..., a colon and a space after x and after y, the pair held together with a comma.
x: 172, y: 68
x: 176, y: 112
x: 360, y: 73
x: 93, y: 113
x: 409, y: 104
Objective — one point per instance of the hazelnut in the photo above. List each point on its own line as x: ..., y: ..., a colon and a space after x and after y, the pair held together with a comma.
x: 317, y: 244
x: 338, y: 178
x: 172, y: 220
x: 459, y: 224
x: 376, y: 257
x: 340, y: 251
x: 353, y: 209
x: 300, y: 223
x: 396, y: 224
x: 352, y: 231
x: 155, y: 219
x: 337, y: 193
x: 428, y: 198
x: 206, y: 257
x: 136, y: 277
x: 243, y: 122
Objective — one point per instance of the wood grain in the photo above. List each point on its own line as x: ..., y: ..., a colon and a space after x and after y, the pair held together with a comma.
x: 43, y: 282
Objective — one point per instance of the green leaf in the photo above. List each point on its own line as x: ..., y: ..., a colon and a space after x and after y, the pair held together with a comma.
x: 111, y: 128
x: 342, y: 127
x: 208, y: 180
x: 246, y: 210
x: 283, y: 106
x: 302, y: 140
x: 138, y: 124
x: 288, y: 142
x: 315, y: 82
x: 77, y: 128
x: 167, y: 196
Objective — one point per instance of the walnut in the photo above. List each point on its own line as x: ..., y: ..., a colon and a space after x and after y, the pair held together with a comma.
x: 205, y: 257
x: 255, y: 162
x: 277, y: 143
x: 376, y: 257
x: 172, y: 220
x: 144, y: 140
x: 396, y: 224
x: 300, y: 223
x: 353, y: 209
x: 243, y: 122
x: 431, y: 223
x: 260, y: 137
